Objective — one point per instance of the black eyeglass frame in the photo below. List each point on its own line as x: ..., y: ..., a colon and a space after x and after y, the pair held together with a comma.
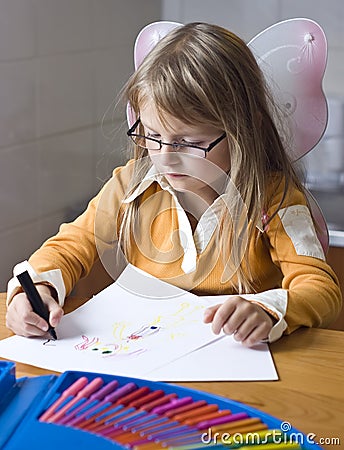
x: 131, y: 134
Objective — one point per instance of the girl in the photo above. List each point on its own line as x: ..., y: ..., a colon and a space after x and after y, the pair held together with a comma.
x: 210, y: 201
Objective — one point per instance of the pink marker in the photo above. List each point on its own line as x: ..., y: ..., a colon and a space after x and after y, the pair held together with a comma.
x: 90, y: 405
x: 85, y: 392
x: 71, y: 391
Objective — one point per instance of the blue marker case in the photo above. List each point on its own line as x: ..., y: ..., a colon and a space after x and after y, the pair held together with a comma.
x: 23, y: 401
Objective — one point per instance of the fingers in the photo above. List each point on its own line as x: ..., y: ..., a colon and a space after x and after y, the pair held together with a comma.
x: 55, y: 311
x: 219, y: 316
x: 209, y: 313
x: 247, y: 322
x: 24, y: 322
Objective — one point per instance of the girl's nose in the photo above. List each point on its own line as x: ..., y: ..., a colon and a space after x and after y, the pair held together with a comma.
x: 169, y: 153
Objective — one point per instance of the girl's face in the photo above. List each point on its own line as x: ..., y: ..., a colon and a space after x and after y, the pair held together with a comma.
x: 187, y: 172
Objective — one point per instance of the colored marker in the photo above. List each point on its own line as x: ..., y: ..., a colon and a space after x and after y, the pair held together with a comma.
x: 237, y: 424
x: 185, y: 408
x: 111, y: 400
x: 132, y: 396
x: 214, y: 415
x: 73, y: 389
x: 82, y: 394
x: 204, y: 424
x: 196, y: 412
x: 145, y: 407
x: 160, y: 401
x: 123, y: 400
x: 140, y: 421
x: 174, y: 404
x: 154, y: 395
x: 36, y: 302
x: 90, y: 405
x: 284, y: 446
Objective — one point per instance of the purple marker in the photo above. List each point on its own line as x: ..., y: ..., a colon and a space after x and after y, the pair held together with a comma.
x: 86, y: 421
x: 172, y: 405
x: 164, y: 427
x: 141, y: 421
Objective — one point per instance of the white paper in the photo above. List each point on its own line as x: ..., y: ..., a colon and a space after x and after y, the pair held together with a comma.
x: 221, y: 360
x: 145, y: 328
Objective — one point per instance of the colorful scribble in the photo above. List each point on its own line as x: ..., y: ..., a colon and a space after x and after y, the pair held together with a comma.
x: 125, y: 342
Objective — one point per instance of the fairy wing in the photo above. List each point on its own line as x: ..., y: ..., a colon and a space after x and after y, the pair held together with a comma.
x: 146, y: 40
x: 292, y: 55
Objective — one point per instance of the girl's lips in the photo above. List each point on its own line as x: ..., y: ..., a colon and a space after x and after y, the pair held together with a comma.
x: 175, y: 175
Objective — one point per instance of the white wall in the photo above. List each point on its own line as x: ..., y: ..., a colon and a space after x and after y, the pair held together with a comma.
x: 247, y: 17
x: 62, y: 62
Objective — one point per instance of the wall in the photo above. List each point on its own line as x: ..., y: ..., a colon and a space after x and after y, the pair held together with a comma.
x: 248, y: 17
x: 62, y: 63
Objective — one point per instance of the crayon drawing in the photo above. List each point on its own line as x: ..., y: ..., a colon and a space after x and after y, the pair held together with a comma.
x: 121, y: 332
x: 128, y: 341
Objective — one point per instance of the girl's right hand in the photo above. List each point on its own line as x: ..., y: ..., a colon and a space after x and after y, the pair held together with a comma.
x: 21, y: 319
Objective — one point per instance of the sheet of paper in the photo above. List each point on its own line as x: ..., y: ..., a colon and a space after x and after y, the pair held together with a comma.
x: 142, y: 327
x: 221, y: 360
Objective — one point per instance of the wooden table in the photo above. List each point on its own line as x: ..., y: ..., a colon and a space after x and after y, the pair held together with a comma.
x: 309, y: 393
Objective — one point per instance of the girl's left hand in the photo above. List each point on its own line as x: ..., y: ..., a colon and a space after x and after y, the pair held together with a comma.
x: 249, y: 323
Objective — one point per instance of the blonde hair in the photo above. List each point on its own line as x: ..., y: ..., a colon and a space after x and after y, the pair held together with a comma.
x: 202, y: 73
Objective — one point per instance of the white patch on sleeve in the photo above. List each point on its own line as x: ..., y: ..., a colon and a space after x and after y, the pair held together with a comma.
x: 298, y: 224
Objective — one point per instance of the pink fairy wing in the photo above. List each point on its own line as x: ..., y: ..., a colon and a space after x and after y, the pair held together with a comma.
x: 146, y: 40
x: 292, y: 55
x: 149, y: 36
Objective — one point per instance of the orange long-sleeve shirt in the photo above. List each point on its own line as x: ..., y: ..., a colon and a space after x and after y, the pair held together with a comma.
x: 287, y: 263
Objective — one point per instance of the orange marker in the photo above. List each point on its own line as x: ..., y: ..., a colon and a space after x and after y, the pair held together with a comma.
x: 195, y: 412
x: 195, y: 420
x: 185, y: 408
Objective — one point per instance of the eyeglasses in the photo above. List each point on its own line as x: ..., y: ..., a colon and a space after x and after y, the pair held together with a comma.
x: 152, y: 144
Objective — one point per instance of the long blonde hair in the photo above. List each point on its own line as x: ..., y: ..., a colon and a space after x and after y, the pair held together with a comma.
x: 202, y: 73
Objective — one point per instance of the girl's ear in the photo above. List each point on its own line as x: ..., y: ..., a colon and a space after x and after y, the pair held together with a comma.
x: 131, y: 117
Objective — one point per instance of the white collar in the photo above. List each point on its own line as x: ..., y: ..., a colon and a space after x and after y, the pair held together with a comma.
x: 151, y: 176
x: 192, y: 244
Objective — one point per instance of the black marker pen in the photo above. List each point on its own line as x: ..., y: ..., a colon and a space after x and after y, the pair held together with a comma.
x: 35, y: 300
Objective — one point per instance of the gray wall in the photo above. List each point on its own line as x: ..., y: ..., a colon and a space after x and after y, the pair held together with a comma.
x: 62, y: 63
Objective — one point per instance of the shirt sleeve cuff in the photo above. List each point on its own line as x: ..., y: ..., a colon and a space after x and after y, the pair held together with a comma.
x: 274, y: 301
x: 51, y: 277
